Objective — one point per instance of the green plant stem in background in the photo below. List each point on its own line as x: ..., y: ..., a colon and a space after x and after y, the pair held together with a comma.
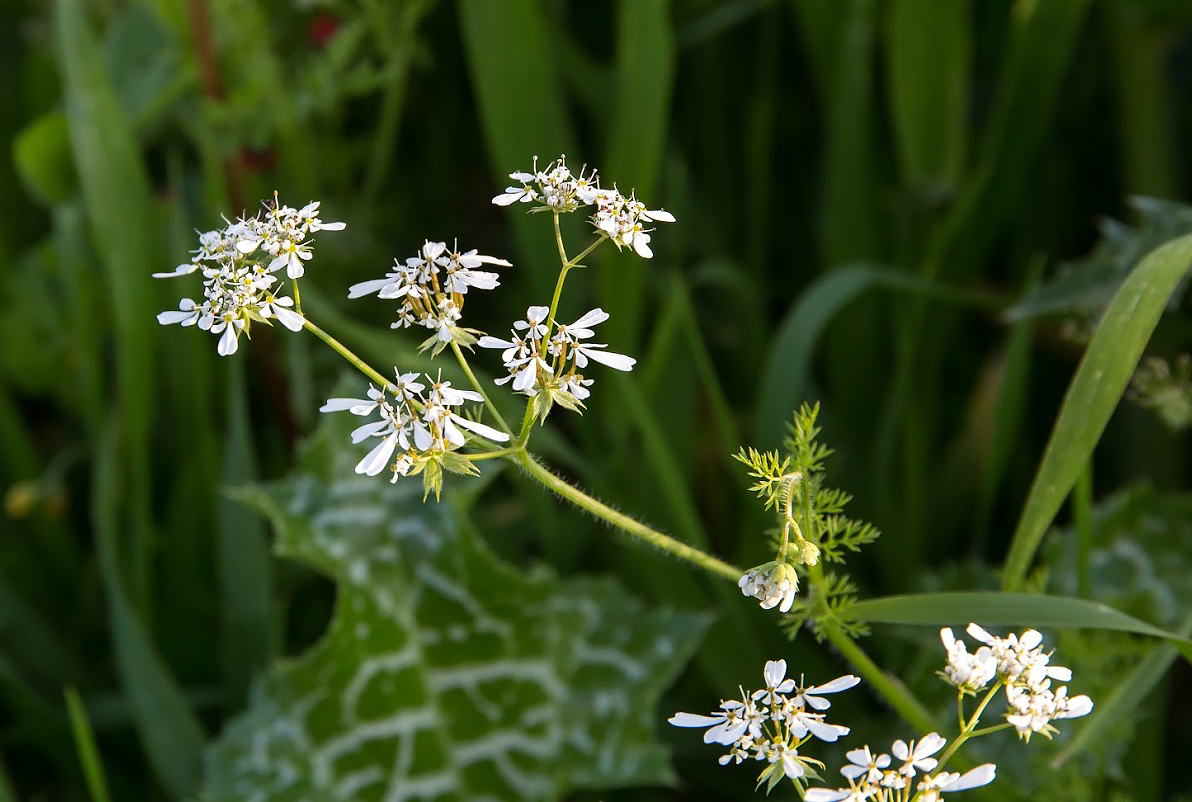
x: 92, y: 764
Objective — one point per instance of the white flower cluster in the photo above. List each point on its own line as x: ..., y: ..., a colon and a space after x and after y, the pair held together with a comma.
x: 538, y: 361
x: 772, y: 723
x: 413, y: 425
x: 1019, y: 663
x: 432, y: 287
x: 774, y: 584
x: 238, y: 283
x: 623, y: 220
x: 875, y: 778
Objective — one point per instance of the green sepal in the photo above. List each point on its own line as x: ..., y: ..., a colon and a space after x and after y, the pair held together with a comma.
x: 453, y: 462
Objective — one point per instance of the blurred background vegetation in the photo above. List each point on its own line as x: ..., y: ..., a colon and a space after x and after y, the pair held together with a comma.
x: 862, y: 189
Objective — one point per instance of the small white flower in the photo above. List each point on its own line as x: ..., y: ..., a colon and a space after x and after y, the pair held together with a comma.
x: 774, y: 584
x: 916, y: 757
x: 865, y: 766
x: 969, y: 672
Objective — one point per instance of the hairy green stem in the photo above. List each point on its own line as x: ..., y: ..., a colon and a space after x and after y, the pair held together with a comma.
x: 343, y: 351
x: 623, y: 522
x: 892, y: 690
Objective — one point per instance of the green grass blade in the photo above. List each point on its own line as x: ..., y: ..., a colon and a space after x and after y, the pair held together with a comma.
x: 117, y: 199
x: 509, y: 53
x: 245, y: 563
x: 996, y: 608
x: 928, y: 54
x: 850, y: 225
x: 84, y: 740
x: 7, y: 794
x: 645, y: 69
x: 1093, y: 395
x: 788, y: 362
x: 170, y: 734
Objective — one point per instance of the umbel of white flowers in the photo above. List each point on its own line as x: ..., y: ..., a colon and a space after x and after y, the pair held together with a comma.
x: 772, y: 724
x: 1022, y: 668
x: 239, y: 264
x: 623, y: 220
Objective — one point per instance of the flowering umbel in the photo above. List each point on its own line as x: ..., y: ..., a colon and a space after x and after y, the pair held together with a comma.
x: 432, y: 287
x: 772, y: 724
x: 880, y: 779
x: 624, y: 220
x: 1020, y: 665
x: 547, y: 367
x: 240, y: 263
x: 417, y: 428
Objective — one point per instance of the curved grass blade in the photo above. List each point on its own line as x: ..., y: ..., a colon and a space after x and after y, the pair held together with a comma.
x: 1099, y: 382
x: 993, y: 608
x: 788, y: 363
x: 84, y: 739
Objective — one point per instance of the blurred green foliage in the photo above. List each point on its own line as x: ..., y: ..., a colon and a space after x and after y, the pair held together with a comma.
x: 868, y: 197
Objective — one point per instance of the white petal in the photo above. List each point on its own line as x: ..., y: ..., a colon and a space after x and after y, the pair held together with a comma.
x: 826, y: 795
x: 982, y: 775
x: 343, y: 404
x: 593, y: 317
x: 367, y: 287
x: 836, y: 685
x: 166, y: 318
x: 617, y: 362
x: 659, y: 216
x: 774, y: 672
x: 375, y: 461
x: 227, y: 341
x: 481, y: 429
x: 340, y: 226
x: 180, y: 270
x: 693, y: 720
x: 289, y: 318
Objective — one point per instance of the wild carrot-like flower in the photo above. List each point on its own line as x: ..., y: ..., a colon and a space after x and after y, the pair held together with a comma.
x: 432, y: 287
x: 774, y: 584
x: 625, y: 221
x: 239, y: 264
x: 1021, y: 665
x: 552, y: 367
x: 415, y: 425
x: 771, y: 724
x: 870, y: 777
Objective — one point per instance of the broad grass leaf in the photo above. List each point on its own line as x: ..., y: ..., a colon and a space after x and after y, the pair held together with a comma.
x: 989, y: 608
x: 1100, y: 380
x: 444, y: 672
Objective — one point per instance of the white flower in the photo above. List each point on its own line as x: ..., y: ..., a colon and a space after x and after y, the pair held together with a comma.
x: 865, y: 766
x: 774, y: 584
x: 812, y: 696
x: 969, y: 672
x: 726, y: 726
x: 917, y: 755
x: 413, y: 425
x: 238, y: 264
x: 432, y: 287
x: 536, y: 365
x: 625, y: 221
x: 764, y: 725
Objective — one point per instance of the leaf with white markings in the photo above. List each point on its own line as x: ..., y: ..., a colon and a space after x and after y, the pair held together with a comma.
x: 444, y: 673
